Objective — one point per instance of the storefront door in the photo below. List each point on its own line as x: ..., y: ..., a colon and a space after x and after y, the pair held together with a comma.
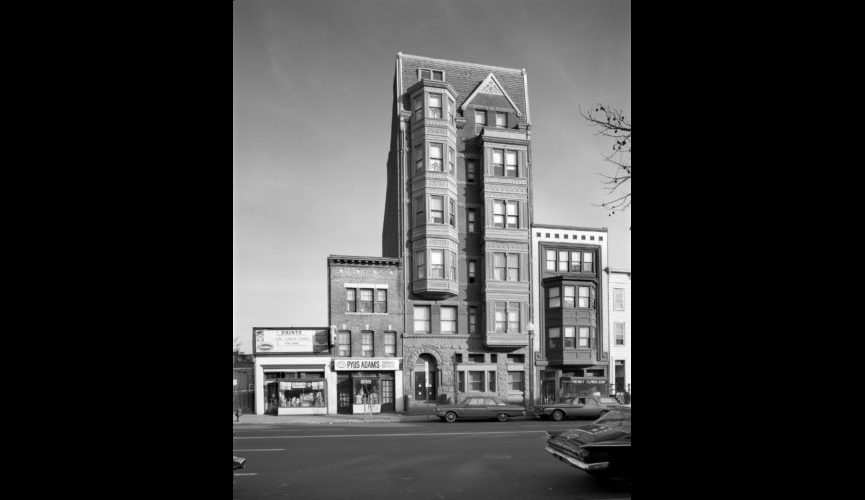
x: 425, y: 370
x: 343, y: 394
x: 388, y: 393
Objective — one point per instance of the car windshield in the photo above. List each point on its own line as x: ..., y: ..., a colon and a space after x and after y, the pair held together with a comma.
x: 615, y: 418
x: 609, y: 401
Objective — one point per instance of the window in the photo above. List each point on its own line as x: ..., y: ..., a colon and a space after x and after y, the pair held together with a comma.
x: 437, y: 75
x: 569, y: 296
x: 458, y: 357
x: 461, y: 381
x: 366, y: 349
x: 472, y: 270
x: 570, y: 337
x: 472, y: 218
x: 491, y: 381
x: 587, y: 262
x: 480, y: 117
x: 452, y: 159
x: 511, y: 163
x: 498, y: 163
x: 584, y: 297
x: 452, y: 270
x: 436, y: 264
x: 389, y: 343
x: 418, y: 158
x: 500, y: 208
x: 435, y: 105
x: 381, y: 300
x: 435, y: 157
x: 448, y: 319
x: 553, y: 335
x: 420, y: 267
x: 513, y: 267
x: 551, y: 260
x: 516, y: 381
x: 554, y: 298
x: 343, y: 343
x: 575, y: 262
x: 563, y: 260
x: 451, y: 107
x: 501, y: 120
x: 471, y: 169
x: 421, y: 319
x: 425, y: 73
x: 585, y: 341
x: 476, y: 381
x: 418, y: 107
x: 494, y: 357
x: 619, y: 330
x: 513, y: 214
x: 418, y: 215
x: 350, y: 300
x: 366, y: 300
x: 476, y: 358
x: 513, y: 317
x: 516, y: 358
x: 501, y: 317
x: 473, y: 319
x: 499, y: 266
x: 619, y: 299
x: 437, y: 209
x: 452, y: 214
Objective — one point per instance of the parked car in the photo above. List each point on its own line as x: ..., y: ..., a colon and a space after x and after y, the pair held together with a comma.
x: 577, y: 407
x: 602, y: 448
x: 479, y: 407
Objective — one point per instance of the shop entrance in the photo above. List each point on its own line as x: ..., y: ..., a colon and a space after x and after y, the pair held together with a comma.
x: 343, y: 393
x: 425, y: 375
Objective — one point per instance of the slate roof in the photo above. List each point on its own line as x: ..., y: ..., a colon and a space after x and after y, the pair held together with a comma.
x: 464, y: 78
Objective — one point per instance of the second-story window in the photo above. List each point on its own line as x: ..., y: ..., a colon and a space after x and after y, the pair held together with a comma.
x: 435, y: 105
x: 390, y: 343
x: 350, y: 300
x: 435, y: 157
x: 436, y: 209
x: 448, y: 319
x: 480, y: 117
x: 343, y: 343
x: 551, y: 260
x: 380, y: 300
x: 436, y: 264
x: 421, y: 319
x: 366, y: 347
x: 587, y: 262
x: 366, y: 300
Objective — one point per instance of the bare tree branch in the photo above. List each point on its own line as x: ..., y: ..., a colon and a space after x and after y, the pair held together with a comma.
x: 612, y: 123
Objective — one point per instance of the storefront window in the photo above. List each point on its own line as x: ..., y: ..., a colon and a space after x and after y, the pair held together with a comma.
x: 301, y: 393
x: 366, y: 390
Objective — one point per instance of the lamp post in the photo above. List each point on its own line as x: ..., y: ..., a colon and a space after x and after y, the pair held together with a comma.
x: 531, y: 328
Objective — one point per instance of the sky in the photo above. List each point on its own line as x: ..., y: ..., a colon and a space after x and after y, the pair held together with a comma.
x: 313, y: 94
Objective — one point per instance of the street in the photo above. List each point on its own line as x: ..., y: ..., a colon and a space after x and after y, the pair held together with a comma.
x: 420, y: 460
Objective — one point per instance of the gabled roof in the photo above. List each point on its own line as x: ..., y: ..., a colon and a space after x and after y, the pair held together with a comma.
x: 465, y: 78
x: 490, y: 85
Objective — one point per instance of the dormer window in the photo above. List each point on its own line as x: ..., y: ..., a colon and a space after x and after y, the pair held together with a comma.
x: 480, y: 117
x: 428, y: 74
x: 435, y: 106
x: 501, y: 120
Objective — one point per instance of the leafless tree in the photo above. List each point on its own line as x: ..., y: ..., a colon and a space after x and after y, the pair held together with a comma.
x: 612, y: 123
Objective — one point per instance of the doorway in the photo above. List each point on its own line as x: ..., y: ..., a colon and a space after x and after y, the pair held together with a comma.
x: 425, y: 378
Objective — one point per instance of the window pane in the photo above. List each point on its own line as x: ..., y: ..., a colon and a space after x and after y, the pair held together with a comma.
x: 424, y: 73
x: 481, y: 117
x: 511, y: 157
x: 501, y: 119
x: 512, y: 209
x: 554, y: 333
x: 435, y: 100
x: 497, y: 156
x: 437, y: 75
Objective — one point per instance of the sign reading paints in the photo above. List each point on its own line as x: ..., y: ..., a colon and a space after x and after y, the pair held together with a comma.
x: 366, y: 364
x: 276, y: 340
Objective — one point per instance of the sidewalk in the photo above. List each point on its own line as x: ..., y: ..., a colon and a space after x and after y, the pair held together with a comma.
x: 341, y: 419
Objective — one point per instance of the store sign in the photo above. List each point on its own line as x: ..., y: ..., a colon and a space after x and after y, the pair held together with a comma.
x: 271, y: 340
x: 366, y: 364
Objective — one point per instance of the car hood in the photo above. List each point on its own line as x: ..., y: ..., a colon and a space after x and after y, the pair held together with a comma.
x: 593, y: 434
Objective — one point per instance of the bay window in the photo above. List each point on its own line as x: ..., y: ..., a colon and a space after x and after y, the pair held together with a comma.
x: 435, y: 157
x: 511, y: 163
x: 420, y: 266
x: 435, y: 105
x: 498, y: 163
x: 554, y: 298
x: 570, y: 337
x: 585, y: 341
x: 584, y: 297
x: 436, y: 264
x: 437, y: 209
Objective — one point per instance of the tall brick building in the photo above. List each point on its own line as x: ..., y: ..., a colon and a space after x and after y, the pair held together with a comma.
x: 458, y: 214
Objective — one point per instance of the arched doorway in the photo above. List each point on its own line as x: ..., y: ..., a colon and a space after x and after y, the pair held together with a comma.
x: 425, y: 378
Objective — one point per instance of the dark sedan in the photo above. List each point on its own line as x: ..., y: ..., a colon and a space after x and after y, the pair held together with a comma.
x: 602, y: 448
x: 479, y: 407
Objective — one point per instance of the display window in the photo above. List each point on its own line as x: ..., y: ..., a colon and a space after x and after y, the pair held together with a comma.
x: 366, y: 390
x: 302, y: 393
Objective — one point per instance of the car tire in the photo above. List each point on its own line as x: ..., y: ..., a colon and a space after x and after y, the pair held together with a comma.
x: 450, y: 417
x: 502, y: 417
x: 558, y: 415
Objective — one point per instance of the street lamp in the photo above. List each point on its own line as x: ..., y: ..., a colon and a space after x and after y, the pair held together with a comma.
x: 531, y: 328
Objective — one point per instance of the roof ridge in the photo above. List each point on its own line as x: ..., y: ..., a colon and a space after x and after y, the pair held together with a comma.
x: 518, y: 70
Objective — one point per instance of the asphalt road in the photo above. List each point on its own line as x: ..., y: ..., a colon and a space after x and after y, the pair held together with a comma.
x: 420, y: 460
